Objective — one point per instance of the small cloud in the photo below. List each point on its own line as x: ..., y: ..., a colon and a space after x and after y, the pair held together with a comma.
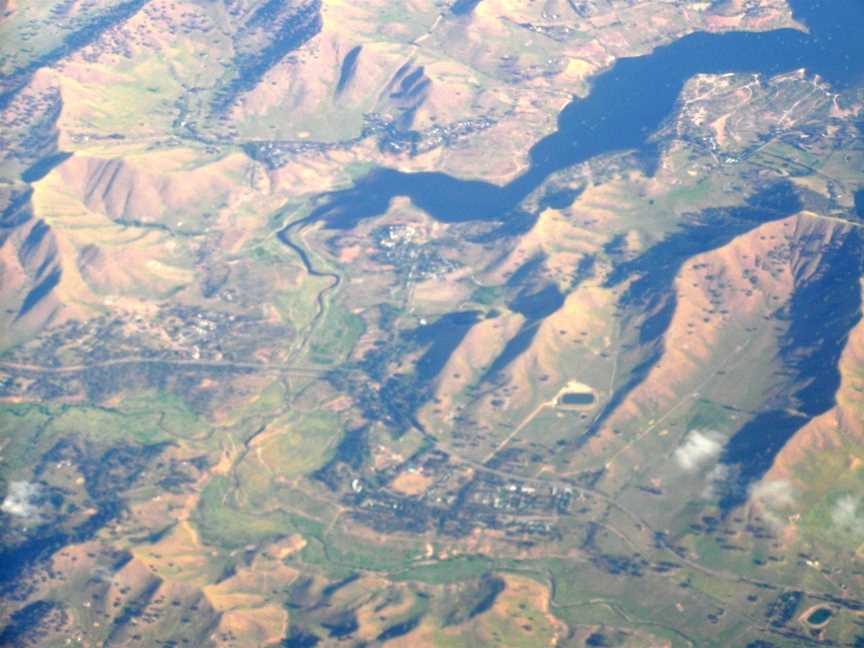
x: 776, y: 494
x: 847, y: 515
x: 698, y: 449
x: 774, y: 499
x: 717, y: 481
x: 22, y: 499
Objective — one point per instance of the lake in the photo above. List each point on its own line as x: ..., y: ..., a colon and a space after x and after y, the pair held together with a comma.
x: 626, y: 105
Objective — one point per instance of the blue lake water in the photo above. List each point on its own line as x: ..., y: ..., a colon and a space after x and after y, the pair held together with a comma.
x: 625, y: 106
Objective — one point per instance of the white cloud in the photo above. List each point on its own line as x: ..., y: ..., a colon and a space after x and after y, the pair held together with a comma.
x: 716, y: 481
x: 698, y: 449
x: 21, y: 499
x: 776, y: 494
x: 847, y: 514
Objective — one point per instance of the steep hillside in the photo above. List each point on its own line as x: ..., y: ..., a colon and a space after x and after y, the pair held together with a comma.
x: 431, y: 322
